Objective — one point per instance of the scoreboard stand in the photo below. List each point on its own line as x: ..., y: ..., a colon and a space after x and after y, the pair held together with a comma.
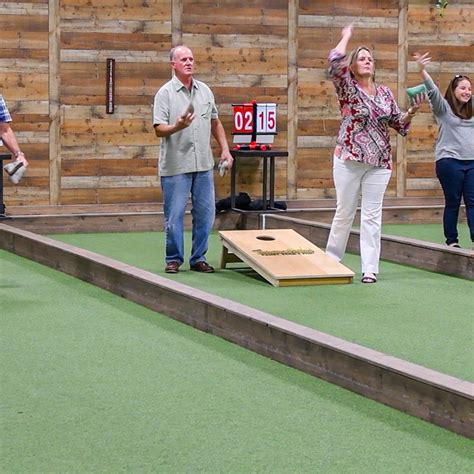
x: 255, y: 127
x: 268, y: 175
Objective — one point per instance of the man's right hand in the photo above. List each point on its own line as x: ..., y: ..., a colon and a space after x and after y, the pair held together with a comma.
x: 21, y: 157
x: 184, y: 121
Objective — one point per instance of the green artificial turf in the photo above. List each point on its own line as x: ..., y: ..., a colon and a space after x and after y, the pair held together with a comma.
x: 429, y: 232
x: 415, y: 315
x: 94, y: 383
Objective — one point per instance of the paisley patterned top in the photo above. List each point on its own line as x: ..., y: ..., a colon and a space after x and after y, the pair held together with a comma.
x: 363, y: 134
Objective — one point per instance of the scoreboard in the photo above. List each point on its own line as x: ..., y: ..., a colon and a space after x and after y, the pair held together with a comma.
x: 254, y: 125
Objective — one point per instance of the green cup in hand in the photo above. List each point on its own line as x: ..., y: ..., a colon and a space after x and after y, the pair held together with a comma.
x: 412, y: 92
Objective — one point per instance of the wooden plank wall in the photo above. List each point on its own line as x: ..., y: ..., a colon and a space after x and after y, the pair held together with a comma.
x: 109, y: 158
x: 450, y: 42
x: 241, y: 53
x: 24, y: 74
x: 320, y: 25
x: 267, y: 50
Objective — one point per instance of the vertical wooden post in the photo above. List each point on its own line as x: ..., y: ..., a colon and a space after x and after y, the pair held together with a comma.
x: 402, y: 98
x: 54, y: 109
x: 176, y: 22
x: 292, y: 98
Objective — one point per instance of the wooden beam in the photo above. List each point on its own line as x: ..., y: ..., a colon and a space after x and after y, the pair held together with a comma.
x: 292, y: 98
x: 176, y: 22
x: 401, y: 164
x: 54, y: 107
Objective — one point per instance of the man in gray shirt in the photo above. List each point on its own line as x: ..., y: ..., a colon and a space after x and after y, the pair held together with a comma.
x: 184, y: 116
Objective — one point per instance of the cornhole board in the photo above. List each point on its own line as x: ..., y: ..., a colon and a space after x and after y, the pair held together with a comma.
x: 283, y: 257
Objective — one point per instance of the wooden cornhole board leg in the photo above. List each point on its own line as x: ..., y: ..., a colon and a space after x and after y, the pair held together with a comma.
x: 228, y: 257
x: 283, y: 257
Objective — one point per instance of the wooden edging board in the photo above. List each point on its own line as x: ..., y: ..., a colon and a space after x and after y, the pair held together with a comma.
x: 134, y: 221
x: 435, y: 397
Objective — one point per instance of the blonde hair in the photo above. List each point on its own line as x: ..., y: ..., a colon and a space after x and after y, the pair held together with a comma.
x: 353, y: 58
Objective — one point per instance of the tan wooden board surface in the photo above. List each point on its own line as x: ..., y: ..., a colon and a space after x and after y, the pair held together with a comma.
x: 283, y: 257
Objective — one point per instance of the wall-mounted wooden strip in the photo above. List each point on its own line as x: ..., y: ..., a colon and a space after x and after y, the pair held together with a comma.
x: 115, y: 3
x: 229, y: 41
x: 94, y: 182
x: 79, y: 139
x: 243, y: 29
x: 130, y: 194
x: 338, y: 21
x: 112, y: 125
x: 113, y: 41
x: 227, y: 95
x: 24, y: 40
x: 99, y: 56
x: 23, y: 8
x: 25, y: 86
x: 32, y: 23
x: 105, y: 26
x: 23, y: 65
x: 370, y: 8
x: 112, y: 153
x: 202, y: 15
x: 109, y: 167
x: 447, y: 67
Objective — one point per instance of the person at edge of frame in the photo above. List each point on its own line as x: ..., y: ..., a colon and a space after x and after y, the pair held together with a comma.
x: 184, y: 117
x: 362, y: 157
x: 454, y: 149
x: 7, y: 135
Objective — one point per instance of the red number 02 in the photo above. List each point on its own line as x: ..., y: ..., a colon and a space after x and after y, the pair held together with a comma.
x: 239, y: 119
x: 248, y: 116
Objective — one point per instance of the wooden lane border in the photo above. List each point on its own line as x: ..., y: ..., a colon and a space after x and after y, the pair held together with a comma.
x: 425, y: 393
x: 403, y: 250
x: 144, y: 221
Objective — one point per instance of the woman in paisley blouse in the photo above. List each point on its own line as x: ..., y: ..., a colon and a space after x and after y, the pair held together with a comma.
x: 363, y: 157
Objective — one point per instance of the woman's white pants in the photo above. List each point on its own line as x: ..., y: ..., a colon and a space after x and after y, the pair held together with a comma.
x: 350, y: 179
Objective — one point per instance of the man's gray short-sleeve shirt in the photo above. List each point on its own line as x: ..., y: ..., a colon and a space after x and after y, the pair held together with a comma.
x: 188, y: 150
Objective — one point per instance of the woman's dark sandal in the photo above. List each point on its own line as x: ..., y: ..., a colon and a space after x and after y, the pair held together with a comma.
x: 368, y: 279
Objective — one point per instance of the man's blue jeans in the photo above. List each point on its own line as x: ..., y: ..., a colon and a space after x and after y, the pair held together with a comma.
x: 176, y: 191
x: 457, y: 180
